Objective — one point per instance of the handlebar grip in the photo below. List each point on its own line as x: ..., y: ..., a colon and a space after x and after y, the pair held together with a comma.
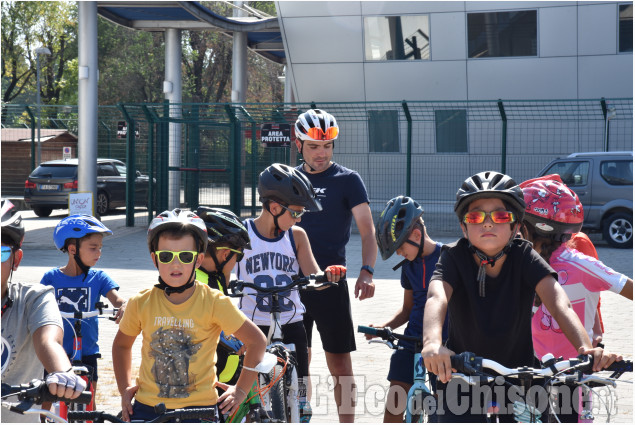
x: 367, y: 330
x: 84, y: 398
x: 621, y: 366
x: 321, y: 278
x: 95, y: 416
x: 466, y: 363
x: 203, y: 413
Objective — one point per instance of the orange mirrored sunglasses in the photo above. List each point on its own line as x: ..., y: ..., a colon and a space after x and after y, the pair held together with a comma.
x: 316, y: 133
x: 498, y: 217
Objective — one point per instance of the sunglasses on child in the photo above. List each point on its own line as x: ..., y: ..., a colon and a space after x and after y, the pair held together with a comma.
x: 239, y: 254
x: 6, y: 253
x: 185, y: 257
x: 498, y: 217
x: 294, y: 213
x: 316, y: 133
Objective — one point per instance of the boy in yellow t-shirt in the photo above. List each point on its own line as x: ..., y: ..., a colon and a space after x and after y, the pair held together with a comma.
x: 181, y: 320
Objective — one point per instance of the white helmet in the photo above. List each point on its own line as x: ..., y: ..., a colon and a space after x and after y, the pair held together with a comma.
x: 177, y: 219
x: 316, y: 125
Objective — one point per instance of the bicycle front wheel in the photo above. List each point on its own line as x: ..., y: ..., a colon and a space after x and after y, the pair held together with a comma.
x: 279, y: 406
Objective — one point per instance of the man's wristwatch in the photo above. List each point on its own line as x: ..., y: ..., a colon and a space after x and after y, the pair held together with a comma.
x: 369, y: 269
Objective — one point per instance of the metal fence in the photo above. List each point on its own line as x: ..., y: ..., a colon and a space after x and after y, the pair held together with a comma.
x: 210, y: 154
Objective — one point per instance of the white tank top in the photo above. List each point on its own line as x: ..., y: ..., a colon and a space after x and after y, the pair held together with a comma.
x: 269, y: 263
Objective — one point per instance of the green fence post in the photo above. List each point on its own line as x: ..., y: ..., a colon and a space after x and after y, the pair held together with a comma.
x: 234, y: 189
x: 150, y: 162
x: 131, y: 172
x: 406, y: 111
x: 605, y: 112
x: 501, y: 109
x: 193, y: 154
x: 254, y: 179
x: 163, y: 154
x: 30, y: 112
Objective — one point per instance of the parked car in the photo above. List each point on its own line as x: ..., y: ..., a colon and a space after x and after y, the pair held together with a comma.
x: 604, y: 184
x: 48, y: 186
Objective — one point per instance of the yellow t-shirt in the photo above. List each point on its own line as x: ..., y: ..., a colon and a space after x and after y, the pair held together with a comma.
x: 178, y: 352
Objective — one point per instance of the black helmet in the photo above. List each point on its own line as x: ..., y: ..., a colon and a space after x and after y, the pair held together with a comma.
x: 177, y: 219
x: 12, y: 227
x: 224, y: 226
x: 395, y: 223
x: 490, y: 184
x: 286, y: 185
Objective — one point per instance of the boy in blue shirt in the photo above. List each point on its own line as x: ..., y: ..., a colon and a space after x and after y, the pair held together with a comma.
x: 401, y: 229
x: 78, y: 287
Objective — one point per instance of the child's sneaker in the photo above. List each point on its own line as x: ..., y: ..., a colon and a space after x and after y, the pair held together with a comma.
x: 305, y: 412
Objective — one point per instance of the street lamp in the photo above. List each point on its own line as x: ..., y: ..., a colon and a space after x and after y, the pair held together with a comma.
x: 39, y: 51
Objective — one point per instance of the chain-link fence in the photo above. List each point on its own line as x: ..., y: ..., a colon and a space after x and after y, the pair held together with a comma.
x: 211, y: 154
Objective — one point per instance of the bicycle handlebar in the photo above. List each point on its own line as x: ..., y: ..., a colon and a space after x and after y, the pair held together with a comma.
x: 37, y: 392
x: 469, y: 364
x: 236, y: 286
x: 180, y: 415
x: 389, y: 337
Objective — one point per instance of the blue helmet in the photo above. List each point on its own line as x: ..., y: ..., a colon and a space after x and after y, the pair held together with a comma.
x: 77, y: 226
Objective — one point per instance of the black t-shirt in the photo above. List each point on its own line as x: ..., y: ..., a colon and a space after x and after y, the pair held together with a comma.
x: 497, y: 326
x: 339, y: 190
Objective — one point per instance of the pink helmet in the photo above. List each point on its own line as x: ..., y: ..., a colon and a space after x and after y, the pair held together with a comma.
x: 552, y: 208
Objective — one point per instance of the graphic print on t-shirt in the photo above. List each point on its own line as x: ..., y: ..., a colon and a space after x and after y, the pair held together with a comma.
x: 7, y: 351
x: 73, y: 299
x: 172, y: 349
x: 268, y: 263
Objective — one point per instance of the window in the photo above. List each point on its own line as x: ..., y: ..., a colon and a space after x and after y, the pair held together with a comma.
x: 626, y: 28
x: 383, y: 129
x: 451, y: 127
x: 501, y: 34
x: 106, y: 170
x: 121, y: 168
x: 618, y: 173
x: 396, y: 37
x: 55, y: 171
x: 572, y: 173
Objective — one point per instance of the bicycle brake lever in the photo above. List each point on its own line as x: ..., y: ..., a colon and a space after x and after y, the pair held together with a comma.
x: 386, y: 343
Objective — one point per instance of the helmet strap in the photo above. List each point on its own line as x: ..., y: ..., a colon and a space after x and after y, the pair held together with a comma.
x: 180, y: 289
x: 278, y: 230
x: 405, y: 260
x: 83, y: 267
x: 485, y: 260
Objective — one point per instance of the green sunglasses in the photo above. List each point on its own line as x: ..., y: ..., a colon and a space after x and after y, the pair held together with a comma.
x: 185, y: 257
x: 239, y: 254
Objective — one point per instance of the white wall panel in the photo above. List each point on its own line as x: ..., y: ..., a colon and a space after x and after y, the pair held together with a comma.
x: 337, y: 82
x: 415, y: 80
x: 408, y: 7
x: 333, y: 39
x: 597, y: 29
x: 447, y: 36
x: 605, y: 76
x: 557, y: 31
x: 318, y: 8
x: 547, y: 78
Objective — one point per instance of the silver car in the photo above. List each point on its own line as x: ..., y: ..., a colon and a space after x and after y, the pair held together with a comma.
x: 604, y: 184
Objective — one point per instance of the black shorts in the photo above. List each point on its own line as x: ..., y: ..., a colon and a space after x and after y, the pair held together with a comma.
x: 330, y: 310
x: 294, y: 333
x: 90, y: 361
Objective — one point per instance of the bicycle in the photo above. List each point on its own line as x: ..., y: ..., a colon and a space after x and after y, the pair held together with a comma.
x: 279, y: 388
x: 420, y: 400
x: 555, y: 372
x: 85, y: 371
x: 164, y: 415
x: 35, y: 393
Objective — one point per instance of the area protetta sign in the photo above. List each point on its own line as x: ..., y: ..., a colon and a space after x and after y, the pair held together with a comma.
x: 275, y: 135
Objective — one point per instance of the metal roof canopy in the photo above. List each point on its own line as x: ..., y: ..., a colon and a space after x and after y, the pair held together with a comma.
x: 263, y: 35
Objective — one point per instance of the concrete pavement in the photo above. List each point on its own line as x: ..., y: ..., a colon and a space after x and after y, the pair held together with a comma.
x: 125, y: 258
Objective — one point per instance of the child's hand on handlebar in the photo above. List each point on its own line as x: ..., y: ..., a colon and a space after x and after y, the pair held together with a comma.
x: 601, y: 358
x: 369, y: 336
x: 120, y: 311
x: 436, y: 359
x: 65, y: 384
x: 335, y: 273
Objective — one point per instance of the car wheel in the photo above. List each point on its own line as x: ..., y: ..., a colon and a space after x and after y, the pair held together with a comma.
x: 42, y: 212
x: 618, y: 230
x: 102, y: 203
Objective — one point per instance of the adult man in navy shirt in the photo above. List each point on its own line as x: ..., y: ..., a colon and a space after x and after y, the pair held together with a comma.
x: 343, y: 197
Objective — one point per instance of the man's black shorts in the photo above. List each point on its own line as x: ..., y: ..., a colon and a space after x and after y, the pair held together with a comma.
x: 330, y: 310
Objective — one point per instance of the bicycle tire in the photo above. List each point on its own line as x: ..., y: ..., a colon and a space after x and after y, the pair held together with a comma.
x: 279, y: 408
x: 291, y: 395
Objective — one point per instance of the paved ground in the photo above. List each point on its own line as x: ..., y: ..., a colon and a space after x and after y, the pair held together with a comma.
x: 126, y: 259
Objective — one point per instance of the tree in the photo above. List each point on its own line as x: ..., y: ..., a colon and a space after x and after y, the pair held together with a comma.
x: 26, y: 26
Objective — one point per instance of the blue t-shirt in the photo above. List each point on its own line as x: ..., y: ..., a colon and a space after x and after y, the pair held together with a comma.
x: 75, y: 294
x: 412, y: 278
x: 339, y: 191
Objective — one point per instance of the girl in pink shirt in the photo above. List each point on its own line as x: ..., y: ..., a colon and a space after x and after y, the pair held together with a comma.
x: 552, y: 215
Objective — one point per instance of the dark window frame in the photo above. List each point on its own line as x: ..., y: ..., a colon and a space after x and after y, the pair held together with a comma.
x: 629, y: 37
x: 411, y: 55
x: 509, y: 42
